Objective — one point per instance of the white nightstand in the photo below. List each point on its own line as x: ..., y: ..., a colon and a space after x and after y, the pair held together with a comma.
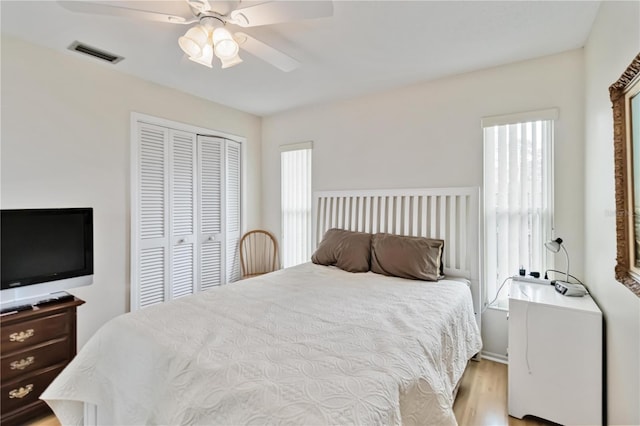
x: 555, y: 355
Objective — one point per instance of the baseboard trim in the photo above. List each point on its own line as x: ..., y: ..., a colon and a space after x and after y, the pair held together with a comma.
x: 502, y: 359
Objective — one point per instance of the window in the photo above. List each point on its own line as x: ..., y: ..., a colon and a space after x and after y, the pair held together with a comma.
x: 518, y: 196
x: 295, y: 180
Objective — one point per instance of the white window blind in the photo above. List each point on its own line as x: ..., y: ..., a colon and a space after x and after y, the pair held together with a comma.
x: 518, y: 196
x: 295, y: 178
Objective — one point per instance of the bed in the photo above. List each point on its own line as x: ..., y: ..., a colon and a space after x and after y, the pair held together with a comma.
x: 306, y: 345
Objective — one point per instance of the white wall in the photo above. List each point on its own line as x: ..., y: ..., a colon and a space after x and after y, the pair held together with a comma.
x: 65, y: 143
x: 429, y: 135
x: 614, y: 41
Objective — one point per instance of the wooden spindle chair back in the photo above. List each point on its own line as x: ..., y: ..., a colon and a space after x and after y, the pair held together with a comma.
x: 258, y: 253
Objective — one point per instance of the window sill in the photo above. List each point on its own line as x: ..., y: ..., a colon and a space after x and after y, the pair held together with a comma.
x: 499, y: 307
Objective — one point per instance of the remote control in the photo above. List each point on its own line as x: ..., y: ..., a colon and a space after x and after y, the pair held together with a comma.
x: 13, y: 309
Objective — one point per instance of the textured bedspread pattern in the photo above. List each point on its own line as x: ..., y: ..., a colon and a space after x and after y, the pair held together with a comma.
x: 309, y: 345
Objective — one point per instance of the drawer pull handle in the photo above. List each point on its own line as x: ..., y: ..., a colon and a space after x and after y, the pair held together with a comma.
x: 23, y: 363
x: 20, y: 392
x: 22, y: 336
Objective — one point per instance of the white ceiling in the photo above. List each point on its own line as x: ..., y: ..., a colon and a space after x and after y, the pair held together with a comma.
x: 365, y: 47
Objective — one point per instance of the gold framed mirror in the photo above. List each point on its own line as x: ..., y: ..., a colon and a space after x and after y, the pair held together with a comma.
x: 625, y: 96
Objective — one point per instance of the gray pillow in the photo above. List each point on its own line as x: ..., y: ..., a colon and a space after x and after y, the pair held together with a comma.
x: 407, y: 257
x: 348, y: 250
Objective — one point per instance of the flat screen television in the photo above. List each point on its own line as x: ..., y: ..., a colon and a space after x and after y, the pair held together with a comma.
x: 44, y: 250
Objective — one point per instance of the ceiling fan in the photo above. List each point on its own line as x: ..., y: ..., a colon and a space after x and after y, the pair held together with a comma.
x: 210, y: 37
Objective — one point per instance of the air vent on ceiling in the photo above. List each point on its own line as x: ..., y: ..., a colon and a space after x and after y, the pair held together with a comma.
x: 96, y: 53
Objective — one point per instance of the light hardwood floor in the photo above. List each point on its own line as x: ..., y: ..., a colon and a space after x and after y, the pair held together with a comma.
x: 481, y: 400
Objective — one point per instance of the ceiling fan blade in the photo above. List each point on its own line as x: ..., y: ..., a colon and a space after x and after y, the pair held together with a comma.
x: 124, y: 12
x: 275, y: 12
x: 267, y: 53
x: 199, y: 6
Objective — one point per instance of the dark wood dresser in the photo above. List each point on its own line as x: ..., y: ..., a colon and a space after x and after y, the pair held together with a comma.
x: 36, y: 345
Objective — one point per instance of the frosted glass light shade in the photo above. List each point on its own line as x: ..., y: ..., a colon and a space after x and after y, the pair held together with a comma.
x: 225, y: 47
x: 220, y: 34
x: 206, y: 58
x: 227, y: 63
x: 194, y: 41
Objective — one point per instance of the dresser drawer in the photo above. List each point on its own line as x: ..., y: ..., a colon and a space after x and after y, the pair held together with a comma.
x: 36, y: 358
x: 27, y: 333
x: 26, y: 390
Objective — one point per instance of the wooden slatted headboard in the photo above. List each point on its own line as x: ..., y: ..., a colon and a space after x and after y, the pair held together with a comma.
x: 451, y: 214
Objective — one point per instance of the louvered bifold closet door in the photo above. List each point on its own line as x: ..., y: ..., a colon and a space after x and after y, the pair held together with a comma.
x: 233, y: 208
x: 152, y: 226
x: 211, y: 238
x: 182, y: 196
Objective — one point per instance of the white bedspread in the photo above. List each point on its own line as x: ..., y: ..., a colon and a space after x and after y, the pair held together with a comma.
x: 309, y: 345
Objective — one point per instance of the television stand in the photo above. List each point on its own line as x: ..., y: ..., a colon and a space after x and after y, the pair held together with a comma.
x: 36, y: 344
